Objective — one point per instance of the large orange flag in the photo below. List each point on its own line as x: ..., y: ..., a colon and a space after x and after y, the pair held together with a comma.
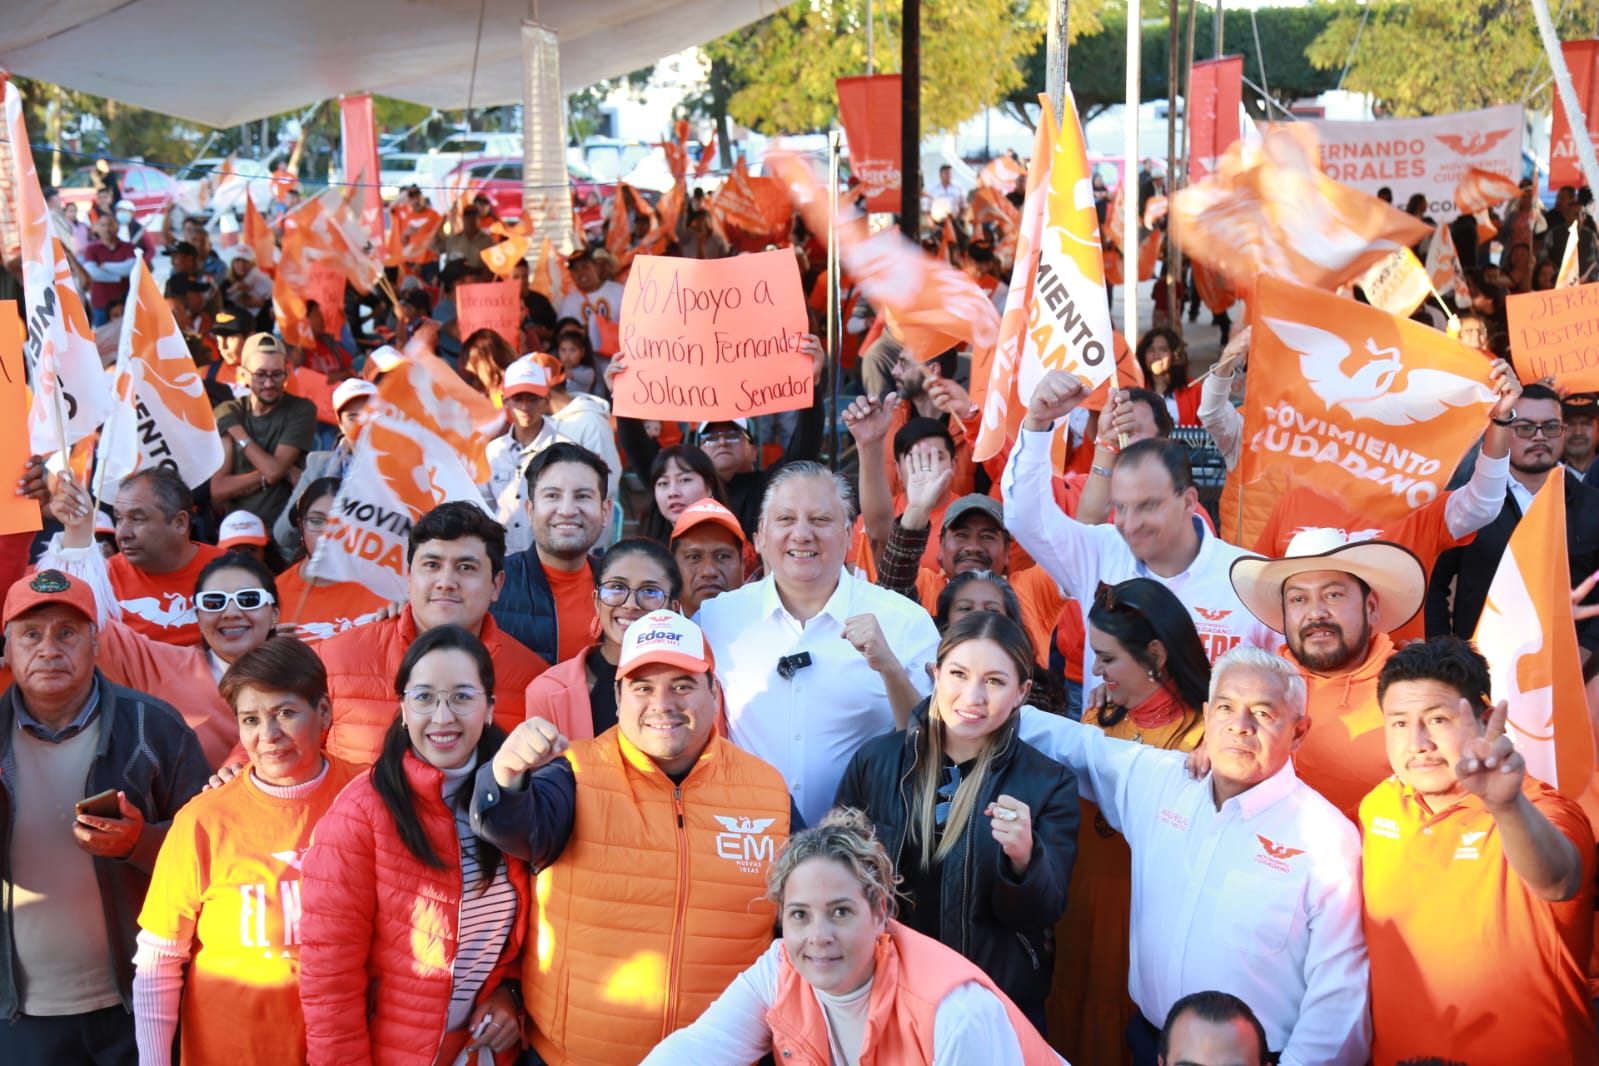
x: 1271, y: 210
x: 1530, y: 640
x: 1481, y: 189
x: 933, y: 306
x: 258, y: 235
x: 550, y: 275
x: 752, y: 211
x: 1374, y: 409
x: 1001, y: 173
x: 503, y: 257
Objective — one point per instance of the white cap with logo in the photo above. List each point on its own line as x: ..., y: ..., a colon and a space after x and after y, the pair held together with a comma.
x: 664, y: 638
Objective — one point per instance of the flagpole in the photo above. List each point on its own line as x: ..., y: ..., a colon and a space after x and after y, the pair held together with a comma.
x: 1568, y: 92
x: 129, y: 314
x: 1130, y: 187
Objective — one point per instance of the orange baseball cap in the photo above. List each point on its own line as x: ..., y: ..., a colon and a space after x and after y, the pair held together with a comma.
x: 707, y: 510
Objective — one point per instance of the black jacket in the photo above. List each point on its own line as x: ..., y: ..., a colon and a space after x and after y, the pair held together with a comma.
x: 525, y: 607
x: 145, y: 749
x: 1004, y: 925
x: 1472, y: 566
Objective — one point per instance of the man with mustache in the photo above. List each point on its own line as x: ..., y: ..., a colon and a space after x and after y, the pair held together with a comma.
x: 1537, y: 430
x: 1336, y: 601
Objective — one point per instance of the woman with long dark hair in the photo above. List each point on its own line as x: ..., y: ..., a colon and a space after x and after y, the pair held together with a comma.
x: 1150, y: 659
x: 679, y: 476
x: 980, y: 825
x: 1163, y: 357
x: 411, y: 923
x: 485, y: 355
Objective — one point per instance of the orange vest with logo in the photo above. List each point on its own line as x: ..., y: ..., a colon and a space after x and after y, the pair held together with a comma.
x: 912, y: 976
x: 656, y: 903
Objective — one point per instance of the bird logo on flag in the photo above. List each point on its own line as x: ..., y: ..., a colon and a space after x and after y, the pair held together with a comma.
x: 1473, y: 143
x: 1368, y: 391
x: 405, y: 468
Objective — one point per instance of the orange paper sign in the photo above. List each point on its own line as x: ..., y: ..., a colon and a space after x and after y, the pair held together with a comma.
x: 18, y: 514
x: 495, y: 305
x: 1555, y: 333
x: 713, y: 339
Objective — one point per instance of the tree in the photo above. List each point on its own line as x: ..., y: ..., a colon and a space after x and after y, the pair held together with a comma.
x: 1097, y: 63
x: 1431, y: 57
x: 782, y: 69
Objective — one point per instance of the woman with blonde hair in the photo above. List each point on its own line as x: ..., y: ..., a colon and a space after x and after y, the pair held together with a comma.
x: 981, y: 827
x: 847, y: 983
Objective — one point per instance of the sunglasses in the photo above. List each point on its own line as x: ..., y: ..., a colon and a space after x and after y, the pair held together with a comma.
x: 247, y: 600
x: 1106, y: 597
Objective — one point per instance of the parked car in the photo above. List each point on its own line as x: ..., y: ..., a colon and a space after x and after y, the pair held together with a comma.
x: 399, y: 170
x: 499, y: 178
x: 226, y: 193
x: 460, y: 148
x: 150, y: 190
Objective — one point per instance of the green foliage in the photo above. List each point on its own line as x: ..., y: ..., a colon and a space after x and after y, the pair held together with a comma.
x: 1431, y: 57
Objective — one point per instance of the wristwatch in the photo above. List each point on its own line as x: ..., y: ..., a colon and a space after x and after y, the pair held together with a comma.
x: 1505, y: 421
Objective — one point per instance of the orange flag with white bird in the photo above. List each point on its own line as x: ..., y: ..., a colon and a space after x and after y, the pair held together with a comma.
x: 1481, y: 189
x: 1270, y: 210
x: 933, y: 306
x: 1057, y: 316
x: 163, y: 415
x: 71, y: 391
x: 1529, y: 637
x: 421, y: 443
x: 1373, y: 409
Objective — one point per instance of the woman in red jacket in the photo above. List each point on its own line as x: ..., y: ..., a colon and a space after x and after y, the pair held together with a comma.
x: 847, y: 983
x: 1164, y: 359
x: 410, y: 924
x: 636, y: 576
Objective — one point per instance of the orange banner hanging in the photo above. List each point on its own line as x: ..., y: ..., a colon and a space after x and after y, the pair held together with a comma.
x: 869, y: 109
x: 1529, y: 637
x: 1374, y: 409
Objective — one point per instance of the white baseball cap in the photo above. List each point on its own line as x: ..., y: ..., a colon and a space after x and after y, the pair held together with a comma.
x: 352, y: 389
x: 664, y: 637
x: 242, y: 527
x: 527, y: 374
x: 741, y: 423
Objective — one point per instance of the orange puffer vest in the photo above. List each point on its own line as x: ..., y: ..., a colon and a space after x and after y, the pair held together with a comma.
x: 656, y: 904
x: 363, y: 661
x: 912, y: 976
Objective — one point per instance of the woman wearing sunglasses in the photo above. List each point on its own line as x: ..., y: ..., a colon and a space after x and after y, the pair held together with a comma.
x: 411, y: 924
x: 980, y: 826
x: 318, y: 609
x: 236, y: 603
x: 578, y: 694
x: 1152, y: 665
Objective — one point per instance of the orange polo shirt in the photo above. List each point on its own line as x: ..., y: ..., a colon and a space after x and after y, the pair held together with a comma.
x: 1466, y: 962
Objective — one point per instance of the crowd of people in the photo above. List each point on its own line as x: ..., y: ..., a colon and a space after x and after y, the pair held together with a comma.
x: 685, y: 746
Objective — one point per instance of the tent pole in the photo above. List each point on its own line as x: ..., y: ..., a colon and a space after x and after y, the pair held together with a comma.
x: 910, y: 140
x: 1130, y: 184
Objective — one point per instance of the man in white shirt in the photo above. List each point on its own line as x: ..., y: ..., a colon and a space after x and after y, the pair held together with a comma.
x: 814, y: 661
x: 528, y: 431
x: 1245, y: 880
x: 946, y: 199
x: 1157, y: 532
x: 596, y: 296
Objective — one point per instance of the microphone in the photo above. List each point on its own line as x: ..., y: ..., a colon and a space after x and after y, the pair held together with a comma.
x: 789, y: 665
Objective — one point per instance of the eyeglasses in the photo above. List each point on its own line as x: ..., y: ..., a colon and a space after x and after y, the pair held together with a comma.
x: 247, y: 599
x: 460, y: 701
x: 1529, y: 430
x: 314, y: 521
x: 269, y: 375
x: 648, y: 597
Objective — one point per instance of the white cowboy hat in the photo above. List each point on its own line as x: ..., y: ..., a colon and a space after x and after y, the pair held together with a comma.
x: 1390, y: 570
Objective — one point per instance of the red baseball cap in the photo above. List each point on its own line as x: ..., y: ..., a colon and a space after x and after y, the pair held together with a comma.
x: 44, y: 588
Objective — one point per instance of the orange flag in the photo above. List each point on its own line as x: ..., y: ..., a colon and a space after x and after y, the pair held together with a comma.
x: 1214, y: 288
x: 1374, y: 409
x: 990, y: 205
x: 258, y: 235
x: 707, y: 157
x: 934, y: 307
x: 331, y: 233
x: 1270, y: 209
x: 503, y: 257
x: 550, y: 275
x: 1481, y: 189
x: 1529, y: 637
x: 752, y: 211
x: 1001, y: 174
x: 289, y: 287
x: 1443, y: 265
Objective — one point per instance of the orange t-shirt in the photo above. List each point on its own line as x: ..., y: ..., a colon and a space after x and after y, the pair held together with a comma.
x: 1423, y: 531
x: 328, y: 609
x: 228, y: 879
x: 576, y: 620
x: 161, y: 606
x: 1466, y: 962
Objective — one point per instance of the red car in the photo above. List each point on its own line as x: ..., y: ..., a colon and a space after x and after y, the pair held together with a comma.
x: 150, y: 190
x: 497, y: 177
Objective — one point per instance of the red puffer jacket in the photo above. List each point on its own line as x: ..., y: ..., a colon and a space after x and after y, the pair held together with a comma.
x: 378, y: 929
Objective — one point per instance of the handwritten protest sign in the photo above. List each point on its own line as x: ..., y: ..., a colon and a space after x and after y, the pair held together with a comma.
x: 326, y: 287
x: 18, y: 514
x: 1555, y: 333
x: 495, y: 305
x: 713, y: 339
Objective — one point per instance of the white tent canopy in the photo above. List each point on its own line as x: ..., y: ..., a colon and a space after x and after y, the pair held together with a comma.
x: 224, y: 62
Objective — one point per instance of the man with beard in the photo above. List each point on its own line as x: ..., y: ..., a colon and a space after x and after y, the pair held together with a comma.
x: 548, y: 599
x: 1537, y: 430
x: 1336, y: 601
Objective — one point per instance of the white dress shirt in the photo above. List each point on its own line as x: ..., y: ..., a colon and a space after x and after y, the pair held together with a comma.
x: 1079, y: 557
x: 812, y: 724
x: 1260, y: 898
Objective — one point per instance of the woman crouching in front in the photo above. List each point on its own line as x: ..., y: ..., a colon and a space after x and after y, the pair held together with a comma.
x: 411, y: 924
x: 849, y: 984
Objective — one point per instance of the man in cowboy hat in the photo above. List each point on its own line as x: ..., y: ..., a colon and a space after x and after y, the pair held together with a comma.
x: 1335, y: 602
